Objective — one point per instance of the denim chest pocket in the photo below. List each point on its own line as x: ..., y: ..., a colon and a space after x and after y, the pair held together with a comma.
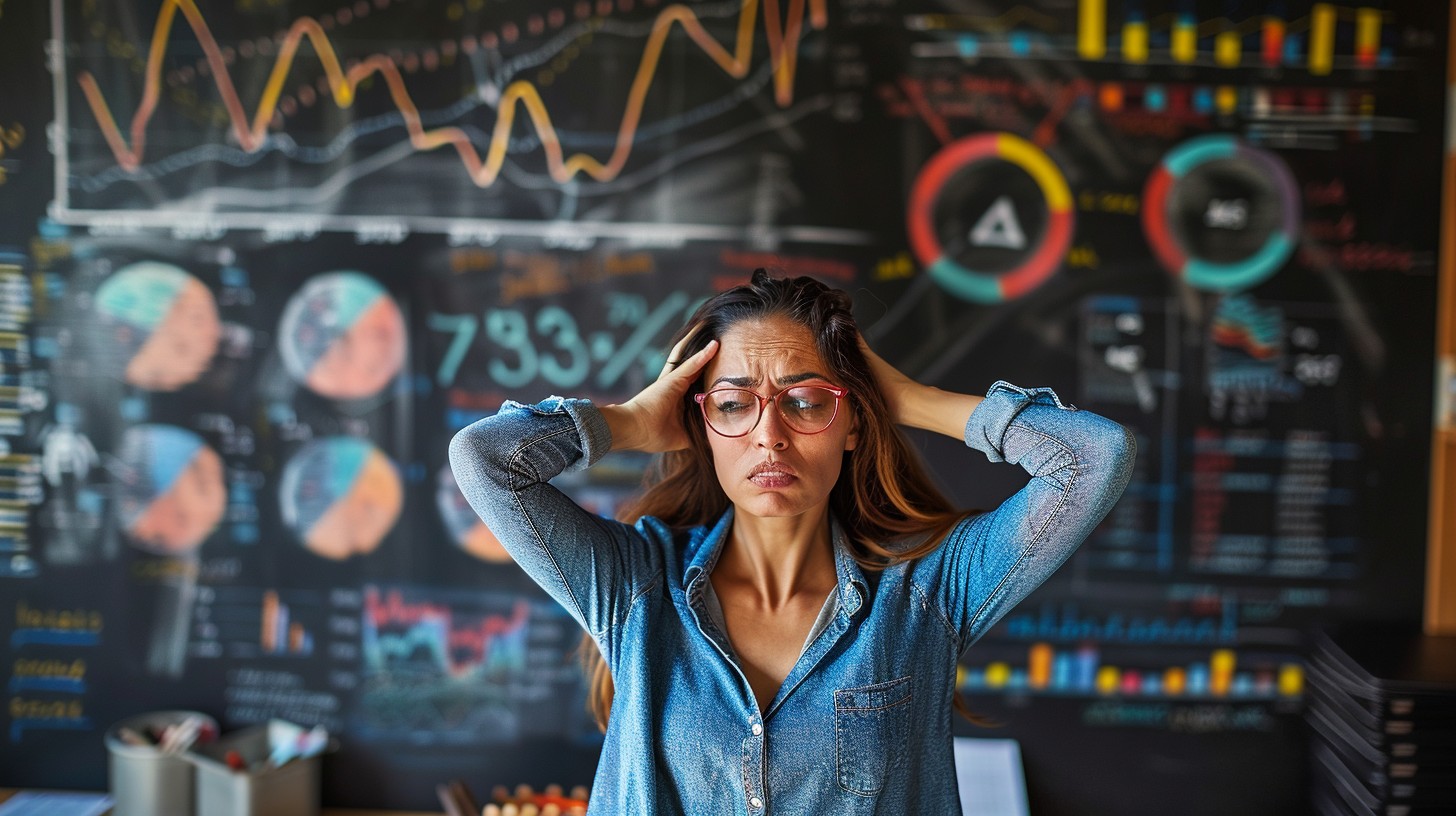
x: 871, y: 724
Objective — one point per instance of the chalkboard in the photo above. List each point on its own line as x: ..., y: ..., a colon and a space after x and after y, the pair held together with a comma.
x: 261, y: 259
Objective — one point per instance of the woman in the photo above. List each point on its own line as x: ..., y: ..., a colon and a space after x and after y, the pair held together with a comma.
x: 783, y: 619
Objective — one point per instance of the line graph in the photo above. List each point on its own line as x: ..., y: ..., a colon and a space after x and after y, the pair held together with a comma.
x: 344, y: 85
x: 118, y: 140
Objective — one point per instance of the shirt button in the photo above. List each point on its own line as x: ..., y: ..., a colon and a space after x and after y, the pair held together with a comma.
x: 756, y: 802
x: 757, y: 729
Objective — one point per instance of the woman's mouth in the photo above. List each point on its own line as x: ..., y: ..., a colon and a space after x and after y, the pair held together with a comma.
x: 772, y: 474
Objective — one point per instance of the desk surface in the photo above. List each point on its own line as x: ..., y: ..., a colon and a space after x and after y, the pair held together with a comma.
x: 6, y: 793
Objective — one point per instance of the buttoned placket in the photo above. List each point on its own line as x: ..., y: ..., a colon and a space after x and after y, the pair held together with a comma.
x: 753, y: 743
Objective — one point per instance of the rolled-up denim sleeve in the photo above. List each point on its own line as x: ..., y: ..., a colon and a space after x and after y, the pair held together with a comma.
x: 594, y: 567
x: 1079, y: 463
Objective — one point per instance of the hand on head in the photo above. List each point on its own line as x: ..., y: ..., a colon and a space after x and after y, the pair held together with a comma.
x: 650, y: 421
x: 896, y: 387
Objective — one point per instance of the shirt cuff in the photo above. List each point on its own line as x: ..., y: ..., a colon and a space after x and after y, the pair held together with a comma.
x: 591, y: 427
x: 986, y: 427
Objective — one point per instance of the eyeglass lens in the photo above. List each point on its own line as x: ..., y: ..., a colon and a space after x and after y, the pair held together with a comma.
x: 806, y: 409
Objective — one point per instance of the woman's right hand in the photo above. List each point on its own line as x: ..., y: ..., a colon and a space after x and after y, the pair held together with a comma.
x: 649, y: 421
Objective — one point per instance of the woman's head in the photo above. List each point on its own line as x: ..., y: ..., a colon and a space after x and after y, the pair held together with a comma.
x: 772, y: 333
x: 793, y: 341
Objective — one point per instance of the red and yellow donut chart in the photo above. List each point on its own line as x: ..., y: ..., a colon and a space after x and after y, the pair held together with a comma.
x: 982, y: 286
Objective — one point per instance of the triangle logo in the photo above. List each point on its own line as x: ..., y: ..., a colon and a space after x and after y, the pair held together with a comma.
x: 999, y: 227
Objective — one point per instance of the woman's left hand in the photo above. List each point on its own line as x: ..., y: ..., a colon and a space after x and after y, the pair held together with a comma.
x: 898, y: 389
x: 918, y: 405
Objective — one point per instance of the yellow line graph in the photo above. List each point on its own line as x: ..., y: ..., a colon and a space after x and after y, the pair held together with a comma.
x: 783, y: 40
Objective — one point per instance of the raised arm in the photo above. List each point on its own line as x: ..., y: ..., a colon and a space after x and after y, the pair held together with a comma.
x: 594, y: 567
x: 1079, y: 464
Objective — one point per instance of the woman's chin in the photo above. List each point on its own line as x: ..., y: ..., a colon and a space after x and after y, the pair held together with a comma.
x: 775, y: 504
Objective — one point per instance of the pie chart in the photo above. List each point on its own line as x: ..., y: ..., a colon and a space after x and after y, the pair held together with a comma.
x: 342, y: 336
x: 170, y: 491
x: 159, y: 325
x: 340, y: 496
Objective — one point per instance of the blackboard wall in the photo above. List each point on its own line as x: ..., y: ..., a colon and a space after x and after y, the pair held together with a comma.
x: 263, y: 258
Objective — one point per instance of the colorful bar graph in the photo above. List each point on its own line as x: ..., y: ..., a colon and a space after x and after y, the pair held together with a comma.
x: 278, y: 634
x: 1092, y: 29
x: 1081, y: 672
x: 1367, y: 36
x: 1321, y: 39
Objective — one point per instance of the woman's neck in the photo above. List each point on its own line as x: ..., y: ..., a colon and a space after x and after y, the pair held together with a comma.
x: 779, y: 558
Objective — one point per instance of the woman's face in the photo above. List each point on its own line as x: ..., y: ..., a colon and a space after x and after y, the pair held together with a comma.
x: 774, y: 471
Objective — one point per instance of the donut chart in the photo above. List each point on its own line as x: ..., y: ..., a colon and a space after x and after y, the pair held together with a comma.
x: 997, y: 183
x: 1221, y: 214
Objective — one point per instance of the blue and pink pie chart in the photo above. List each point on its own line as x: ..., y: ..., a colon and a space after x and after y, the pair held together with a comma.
x: 340, y: 496
x: 342, y: 336
x: 170, y: 493
x: 159, y: 326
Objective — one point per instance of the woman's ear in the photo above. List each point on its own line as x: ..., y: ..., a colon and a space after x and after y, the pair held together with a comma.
x: 852, y: 441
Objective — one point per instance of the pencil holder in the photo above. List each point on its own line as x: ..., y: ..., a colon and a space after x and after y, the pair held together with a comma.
x: 145, y: 780
x: 253, y: 787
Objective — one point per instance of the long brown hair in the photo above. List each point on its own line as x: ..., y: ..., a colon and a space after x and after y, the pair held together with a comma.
x: 883, y: 496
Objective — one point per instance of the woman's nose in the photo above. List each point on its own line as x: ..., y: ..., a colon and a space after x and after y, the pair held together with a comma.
x: 771, y: 431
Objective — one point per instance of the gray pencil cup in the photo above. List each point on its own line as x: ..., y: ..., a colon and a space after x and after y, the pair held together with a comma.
x: 290, y: 789
x: 145, y: 780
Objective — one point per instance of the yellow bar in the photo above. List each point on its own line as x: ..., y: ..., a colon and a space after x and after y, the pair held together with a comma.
x: 1135, y: 42
x: 1185, y: 41
x: 1367, y: 34
x: 1221, y: 672
x: 1092, y: 29
x: 1108, y: 680
x: 1226, y: 49
x: 1321, y: 39
x: 1039, y: 666
x: 1174, y: 681
x: 1291, y: 680
x: 1226, y: 99
x: 997, y: 675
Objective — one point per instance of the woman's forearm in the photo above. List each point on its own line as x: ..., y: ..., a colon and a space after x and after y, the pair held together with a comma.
x: 934, y: 409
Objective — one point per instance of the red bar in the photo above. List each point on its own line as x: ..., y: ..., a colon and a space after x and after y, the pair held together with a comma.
x: 1273, y: 49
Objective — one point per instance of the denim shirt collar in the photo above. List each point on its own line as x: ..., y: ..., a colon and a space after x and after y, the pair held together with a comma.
x: 853, y: 589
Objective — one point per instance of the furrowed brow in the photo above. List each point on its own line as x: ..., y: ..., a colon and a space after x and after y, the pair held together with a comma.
x: 792, y: 379
x: 783, y: 382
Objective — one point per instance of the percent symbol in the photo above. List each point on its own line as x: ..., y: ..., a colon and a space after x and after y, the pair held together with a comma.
x: 635, y: 347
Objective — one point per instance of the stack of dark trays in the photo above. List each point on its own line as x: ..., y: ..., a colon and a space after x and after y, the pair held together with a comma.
x: 1381, y: 706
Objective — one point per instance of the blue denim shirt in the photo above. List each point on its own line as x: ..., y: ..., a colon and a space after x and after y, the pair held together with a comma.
x: 862, y: 723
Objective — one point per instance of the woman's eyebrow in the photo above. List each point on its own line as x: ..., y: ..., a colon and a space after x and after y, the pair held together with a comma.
x: 798, y: 378
x: 786, y: 380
